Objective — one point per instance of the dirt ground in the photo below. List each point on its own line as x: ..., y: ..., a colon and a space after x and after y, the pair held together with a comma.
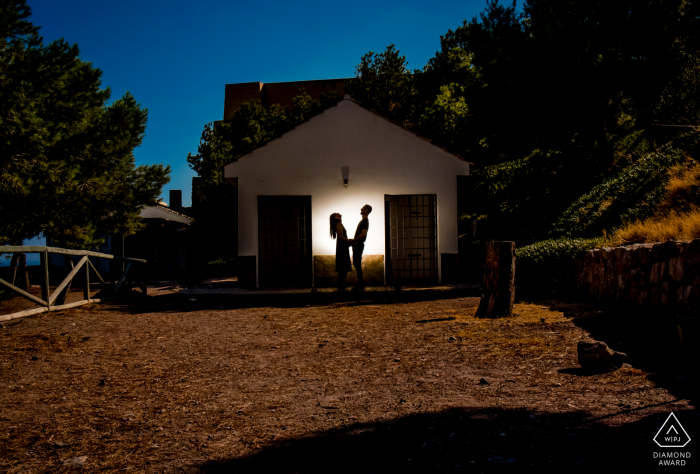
x: 381, y: 382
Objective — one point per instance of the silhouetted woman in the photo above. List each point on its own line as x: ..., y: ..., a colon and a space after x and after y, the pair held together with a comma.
x: 342, y: 249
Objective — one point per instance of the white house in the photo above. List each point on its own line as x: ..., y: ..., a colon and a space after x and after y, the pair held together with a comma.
x: 288, y: 188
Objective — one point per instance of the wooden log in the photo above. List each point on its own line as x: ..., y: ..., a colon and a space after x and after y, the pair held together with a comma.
x: 58, y: 250
x: 130, y: 259
x: 498, y: 293
x: 121, y: 280
x: 113, y: 276
x: 79, y: 253
x: 86, y: 287
x: 63, y: 296
x: 29, y: 296
x: 97, y: 273
x: 21, y: 314
x: 30, y: 312
x: 45, y: 280
x: 59, y: 307
x: 67, y: 280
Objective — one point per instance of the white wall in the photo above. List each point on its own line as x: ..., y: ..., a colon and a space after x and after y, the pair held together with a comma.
x: 383, y: 159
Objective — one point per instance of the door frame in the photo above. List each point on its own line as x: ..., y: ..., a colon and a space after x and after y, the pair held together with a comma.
x: 306, y: 273
x: 388, y: 261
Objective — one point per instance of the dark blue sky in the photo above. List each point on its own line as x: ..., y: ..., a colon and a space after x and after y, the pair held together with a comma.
x: 176, y: 56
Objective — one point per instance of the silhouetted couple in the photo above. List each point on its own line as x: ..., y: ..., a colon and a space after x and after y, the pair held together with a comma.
x: 342, y: 247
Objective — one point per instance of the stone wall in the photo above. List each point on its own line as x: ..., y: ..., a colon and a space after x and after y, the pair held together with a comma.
x: 667, y: 273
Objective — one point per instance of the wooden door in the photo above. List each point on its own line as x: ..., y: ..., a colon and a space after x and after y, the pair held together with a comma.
x: 284, y: 241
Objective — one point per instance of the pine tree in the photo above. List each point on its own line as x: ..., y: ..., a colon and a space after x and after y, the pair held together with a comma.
x: 67, y: 168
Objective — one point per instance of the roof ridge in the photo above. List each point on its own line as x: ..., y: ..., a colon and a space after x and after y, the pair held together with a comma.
x: 170, y: 210
x: 349, y: 98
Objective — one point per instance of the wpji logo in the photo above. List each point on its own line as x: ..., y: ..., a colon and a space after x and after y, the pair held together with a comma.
x: 672, y: 435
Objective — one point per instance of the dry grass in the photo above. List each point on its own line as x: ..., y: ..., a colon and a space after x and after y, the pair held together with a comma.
x: 682, y: 189
x: 672, y: 226
x: 678, y: 217
x: 514, y: 336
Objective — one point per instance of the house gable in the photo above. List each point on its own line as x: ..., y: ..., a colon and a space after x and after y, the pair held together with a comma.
x: 384, y: 159
x: 349, y: 116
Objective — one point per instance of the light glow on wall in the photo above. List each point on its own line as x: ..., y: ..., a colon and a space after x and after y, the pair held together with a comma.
x: 349, y: 208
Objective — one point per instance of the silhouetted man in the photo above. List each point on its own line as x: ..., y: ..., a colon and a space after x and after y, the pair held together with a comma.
x: 359, y: 245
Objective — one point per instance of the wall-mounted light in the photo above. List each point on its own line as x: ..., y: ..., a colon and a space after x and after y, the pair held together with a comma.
x: 346, y: 175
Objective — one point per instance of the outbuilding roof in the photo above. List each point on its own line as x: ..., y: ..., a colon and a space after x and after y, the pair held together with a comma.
x: 162, y: 212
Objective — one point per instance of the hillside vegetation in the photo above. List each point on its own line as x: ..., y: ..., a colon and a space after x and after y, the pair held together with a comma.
x: 678, y: 216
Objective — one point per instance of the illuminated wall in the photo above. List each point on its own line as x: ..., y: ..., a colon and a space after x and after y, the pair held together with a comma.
x: 383, y: 159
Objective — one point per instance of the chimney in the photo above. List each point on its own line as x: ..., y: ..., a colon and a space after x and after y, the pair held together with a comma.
x: 175, y: 199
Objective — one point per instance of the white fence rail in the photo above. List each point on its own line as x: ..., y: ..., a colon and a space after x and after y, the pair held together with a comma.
x: 47, y: 300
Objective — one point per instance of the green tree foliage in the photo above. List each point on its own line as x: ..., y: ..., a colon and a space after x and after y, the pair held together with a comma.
x: 560, y: 74
x: 518, y: 199
x: 584, y: 82
x: 384, y: 83
x: 449, y: 122
x: 67, y: 168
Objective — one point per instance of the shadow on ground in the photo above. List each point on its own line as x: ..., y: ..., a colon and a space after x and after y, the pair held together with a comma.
x: 650, y: 338
x: 188, y: 303
x: 474, y: 440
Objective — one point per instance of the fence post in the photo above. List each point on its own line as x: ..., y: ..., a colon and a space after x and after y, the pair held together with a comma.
x: 144, y: 278
x: 44, y: 258
x: 86, y: 287
x: 112, y: 274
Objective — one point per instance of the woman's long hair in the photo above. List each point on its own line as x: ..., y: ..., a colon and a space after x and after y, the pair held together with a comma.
x: 334, y: 223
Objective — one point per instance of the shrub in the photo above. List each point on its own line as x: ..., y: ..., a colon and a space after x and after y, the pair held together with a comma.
x: 221, y: 267
x: 546, y: 268
x: 635, y: 193
x: 555, y: 251
x: 519, y: 199
x: 5, y: 294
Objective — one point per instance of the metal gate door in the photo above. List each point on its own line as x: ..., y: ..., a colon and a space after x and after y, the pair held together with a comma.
x: 284, y: 240
x: 411, y: 238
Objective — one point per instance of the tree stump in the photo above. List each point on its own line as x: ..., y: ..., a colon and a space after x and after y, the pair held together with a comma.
x: 498, y: 291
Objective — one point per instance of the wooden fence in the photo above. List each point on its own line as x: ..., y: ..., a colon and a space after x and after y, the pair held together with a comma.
x: 47, y: 300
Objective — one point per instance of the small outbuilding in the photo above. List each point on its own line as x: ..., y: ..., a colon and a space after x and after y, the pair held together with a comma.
x: 338, y: 161
x: 165, y: 242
